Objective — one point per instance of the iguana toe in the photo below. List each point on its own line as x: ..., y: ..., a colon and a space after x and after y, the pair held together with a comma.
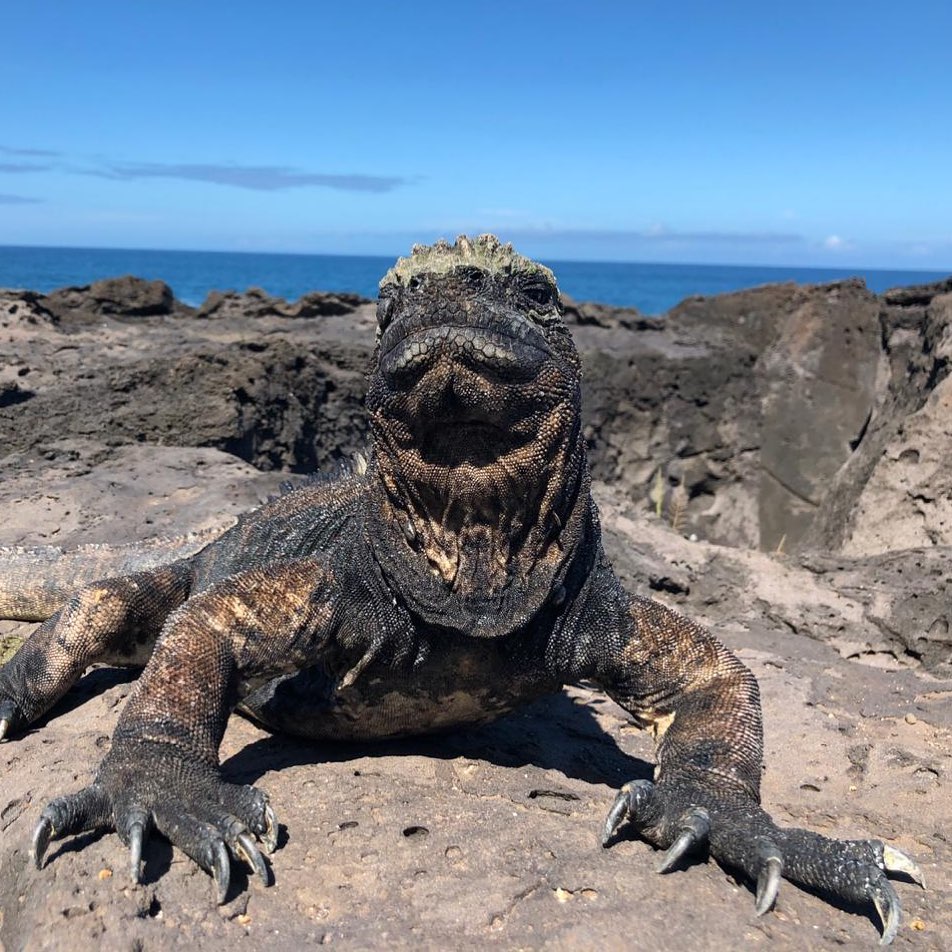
x: 88, y: 809
x: 42, y: 835
x: 269, y: 835
x: 139, y: 828
x: 896, y: 861
x: 246, y: 849
x: 251, y: 806
x: 884, y: 898
x: 768, y: 880
x: 694, y: 830
x: 210, y: 838
x: 630, y: 803
x: 220, y: 869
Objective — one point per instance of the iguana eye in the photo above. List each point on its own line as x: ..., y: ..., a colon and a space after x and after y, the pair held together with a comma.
x: 538, y: 291
x: 474, y: 278
x: 385, y: 308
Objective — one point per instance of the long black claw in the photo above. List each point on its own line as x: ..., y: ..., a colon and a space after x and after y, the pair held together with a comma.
x: 221, y: 869
x: 42, y: 835
x: 887, y: 905
x: 630, y: 802
x: 768, y: 881
x: 245, y: 848
x: 616, y: 816
x: 138, y: 830
x: 695, y: 825
x: 896, y: 861
x: 269, y: 838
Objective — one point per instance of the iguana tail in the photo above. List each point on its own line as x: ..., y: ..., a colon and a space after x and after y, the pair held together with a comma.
x: 35, y: 582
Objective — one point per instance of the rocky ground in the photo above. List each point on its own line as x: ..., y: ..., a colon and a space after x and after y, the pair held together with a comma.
x: 775, y: 462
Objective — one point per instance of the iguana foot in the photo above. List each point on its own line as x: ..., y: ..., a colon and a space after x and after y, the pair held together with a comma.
x: 185, y: 801
x: 684, y: 819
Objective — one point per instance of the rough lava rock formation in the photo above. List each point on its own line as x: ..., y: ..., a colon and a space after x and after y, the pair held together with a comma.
x: 773, y: 462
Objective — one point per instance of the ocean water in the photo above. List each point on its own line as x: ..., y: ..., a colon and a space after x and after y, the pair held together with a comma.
x: 652, y: 288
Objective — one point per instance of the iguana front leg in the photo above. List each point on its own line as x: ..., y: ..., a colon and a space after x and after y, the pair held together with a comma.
x: 703, y: 706
x: 111, y: 621
x: 162, y: 770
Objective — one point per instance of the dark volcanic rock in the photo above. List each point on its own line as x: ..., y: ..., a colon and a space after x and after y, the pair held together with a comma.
x: 889, y: 610
x: 905, y: 598
x: 917, y: 294
x: 673, y: 414
x: 779, y: 417
x: 818, y: 379
x: 606, y: 315
x: 257, y: 303
x: 764, y: 418
x: 24, y: 307
x: 758, y: 418
x: 280, y: 394
x: 114, y: 297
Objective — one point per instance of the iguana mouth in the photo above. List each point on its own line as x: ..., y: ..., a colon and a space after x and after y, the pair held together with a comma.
x: 513, y: 357
x: 464, y: 392
x: 463, y: 398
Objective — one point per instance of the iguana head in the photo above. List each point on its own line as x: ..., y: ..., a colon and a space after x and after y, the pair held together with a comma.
x: 474, y: 403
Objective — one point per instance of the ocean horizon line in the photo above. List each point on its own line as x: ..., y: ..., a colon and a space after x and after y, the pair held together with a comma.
x: 650, y: 287
x: 771, y: 265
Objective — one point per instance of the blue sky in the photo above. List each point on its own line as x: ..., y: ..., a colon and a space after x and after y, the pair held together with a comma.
x: 807, y: 133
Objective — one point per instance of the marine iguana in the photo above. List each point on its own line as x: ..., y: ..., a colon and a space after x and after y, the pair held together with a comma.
x: 456, y: 574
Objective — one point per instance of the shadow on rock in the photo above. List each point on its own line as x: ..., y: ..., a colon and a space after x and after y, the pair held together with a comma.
x: 554, y: 733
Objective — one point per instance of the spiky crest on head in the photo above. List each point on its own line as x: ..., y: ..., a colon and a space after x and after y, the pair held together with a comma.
x: 484, y: 251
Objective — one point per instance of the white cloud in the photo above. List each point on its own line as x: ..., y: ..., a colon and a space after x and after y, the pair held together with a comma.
x: 265, y: 178
x: 18, y: 200
x: 835, y: 243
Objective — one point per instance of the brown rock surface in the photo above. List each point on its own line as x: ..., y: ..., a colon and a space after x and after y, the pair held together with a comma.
x: 916, y: 347
x: 907, y: 500
x: 114, y: 430
x: 756, y: 418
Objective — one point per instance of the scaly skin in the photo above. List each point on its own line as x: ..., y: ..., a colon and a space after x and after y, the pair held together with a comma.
x: 458, y: 575
x: 35, y: 582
